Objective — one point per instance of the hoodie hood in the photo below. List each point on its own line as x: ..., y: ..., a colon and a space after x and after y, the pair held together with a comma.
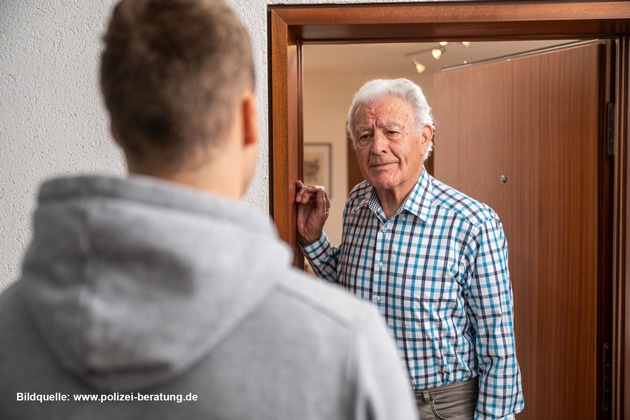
x: 132, y: 281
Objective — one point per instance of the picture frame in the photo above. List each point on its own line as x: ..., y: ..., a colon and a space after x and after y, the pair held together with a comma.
x: 317, y: 165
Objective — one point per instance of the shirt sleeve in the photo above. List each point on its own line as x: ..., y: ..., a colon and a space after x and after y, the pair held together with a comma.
x: 490, y: 307
x: 323, y: 257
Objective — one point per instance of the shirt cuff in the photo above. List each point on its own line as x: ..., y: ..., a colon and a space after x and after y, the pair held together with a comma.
x: 316, y: 246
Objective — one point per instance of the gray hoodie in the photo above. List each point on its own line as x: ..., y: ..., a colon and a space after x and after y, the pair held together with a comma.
x: 164, y: 302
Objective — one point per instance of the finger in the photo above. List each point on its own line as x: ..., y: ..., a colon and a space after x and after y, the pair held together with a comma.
x: 323, y: 204
x: 307, y: 193
x: 303, y: 194
x: 323, y: 195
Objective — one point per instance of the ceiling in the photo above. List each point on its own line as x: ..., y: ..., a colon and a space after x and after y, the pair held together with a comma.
x: 396, y: 58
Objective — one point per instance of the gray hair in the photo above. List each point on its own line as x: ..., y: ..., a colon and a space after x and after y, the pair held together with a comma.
x: 403, y: 88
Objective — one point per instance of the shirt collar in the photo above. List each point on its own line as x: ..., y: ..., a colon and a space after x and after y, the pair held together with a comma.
x: 418, y: 202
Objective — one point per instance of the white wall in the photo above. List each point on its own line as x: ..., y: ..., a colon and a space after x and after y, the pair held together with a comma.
x: 52, y: 120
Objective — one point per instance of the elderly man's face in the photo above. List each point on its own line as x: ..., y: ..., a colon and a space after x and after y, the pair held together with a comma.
x: 389, y: 149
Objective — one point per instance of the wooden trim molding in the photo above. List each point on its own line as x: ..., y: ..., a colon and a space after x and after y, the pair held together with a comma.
x: 469, y: 20
x: 621, y: 235
x: 284, y: 126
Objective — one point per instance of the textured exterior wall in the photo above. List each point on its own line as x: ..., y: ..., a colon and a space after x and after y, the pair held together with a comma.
x: 52, y: 120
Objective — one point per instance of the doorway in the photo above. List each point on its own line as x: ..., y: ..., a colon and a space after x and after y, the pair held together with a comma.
x: 291, y: 27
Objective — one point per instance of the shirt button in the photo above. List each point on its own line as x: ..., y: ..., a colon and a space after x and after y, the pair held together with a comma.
x: 384, y: 230
x: 380, y: 264
x: 377, y: 299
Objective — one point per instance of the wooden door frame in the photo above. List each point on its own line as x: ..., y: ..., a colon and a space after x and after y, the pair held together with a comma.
x: 291, y: 26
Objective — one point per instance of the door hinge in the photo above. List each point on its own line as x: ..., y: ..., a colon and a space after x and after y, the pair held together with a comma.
x: 607, y: 383
x: 610, y: 130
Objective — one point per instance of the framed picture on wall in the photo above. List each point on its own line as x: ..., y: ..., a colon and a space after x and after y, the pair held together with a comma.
x: 318, y: 165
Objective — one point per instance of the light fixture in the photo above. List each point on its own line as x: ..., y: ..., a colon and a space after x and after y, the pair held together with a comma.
x: 437, y: 52
x: 419, y: 66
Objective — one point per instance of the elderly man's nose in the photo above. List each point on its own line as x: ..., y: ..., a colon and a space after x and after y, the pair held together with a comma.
x: 379, y: 144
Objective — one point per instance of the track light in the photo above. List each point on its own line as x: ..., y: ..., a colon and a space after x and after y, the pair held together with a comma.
x: 419, y: 66
x: 437, y: 52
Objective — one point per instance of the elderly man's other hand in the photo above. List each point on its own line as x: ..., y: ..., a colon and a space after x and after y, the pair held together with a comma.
x: 313, y: 207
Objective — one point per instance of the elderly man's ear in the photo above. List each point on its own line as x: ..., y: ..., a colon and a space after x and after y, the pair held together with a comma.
x: 427, y: 135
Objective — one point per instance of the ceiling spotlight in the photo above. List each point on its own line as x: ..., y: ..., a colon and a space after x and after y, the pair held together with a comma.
x: 443, y: 43
x: 419, y: 66
x: 437, y: 52
x: 466, y: 44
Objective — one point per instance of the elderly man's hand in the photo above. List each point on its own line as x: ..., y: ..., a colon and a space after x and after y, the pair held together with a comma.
x: 313, y: 207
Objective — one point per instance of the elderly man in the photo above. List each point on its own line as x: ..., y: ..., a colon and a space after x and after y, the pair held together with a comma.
x: 433, y: 260
x: 160, y: 295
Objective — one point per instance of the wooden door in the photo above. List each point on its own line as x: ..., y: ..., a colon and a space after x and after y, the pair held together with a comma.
x: 524, y: 135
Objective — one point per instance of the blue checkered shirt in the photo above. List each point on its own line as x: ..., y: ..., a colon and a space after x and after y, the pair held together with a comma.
x: 438, y: 272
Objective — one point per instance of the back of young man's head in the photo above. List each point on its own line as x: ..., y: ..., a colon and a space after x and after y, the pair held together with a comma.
x: 172, y: 74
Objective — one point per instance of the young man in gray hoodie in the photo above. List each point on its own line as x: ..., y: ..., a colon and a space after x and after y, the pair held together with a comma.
x: 160, y: 295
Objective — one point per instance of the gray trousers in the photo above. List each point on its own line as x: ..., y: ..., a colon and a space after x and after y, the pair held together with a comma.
x: 456, y: 401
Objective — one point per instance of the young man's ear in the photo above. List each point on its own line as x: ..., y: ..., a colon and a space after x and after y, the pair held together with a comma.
x: 250, y: 143
x: 251, y: 136
x: 114, y: 134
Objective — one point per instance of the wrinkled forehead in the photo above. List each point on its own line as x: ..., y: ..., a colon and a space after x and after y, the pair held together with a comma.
x: 387, y: 110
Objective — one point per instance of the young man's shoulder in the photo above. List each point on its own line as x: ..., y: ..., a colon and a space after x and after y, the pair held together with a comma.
x: 323, y: 300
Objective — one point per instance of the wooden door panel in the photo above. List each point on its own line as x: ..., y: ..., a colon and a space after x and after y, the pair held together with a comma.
x: 522, y: 135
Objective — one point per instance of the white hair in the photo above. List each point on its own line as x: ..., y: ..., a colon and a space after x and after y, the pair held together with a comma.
x: 403, y: 88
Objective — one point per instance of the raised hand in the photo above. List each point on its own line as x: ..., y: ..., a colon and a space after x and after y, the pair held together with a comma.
x: 313, y: 207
